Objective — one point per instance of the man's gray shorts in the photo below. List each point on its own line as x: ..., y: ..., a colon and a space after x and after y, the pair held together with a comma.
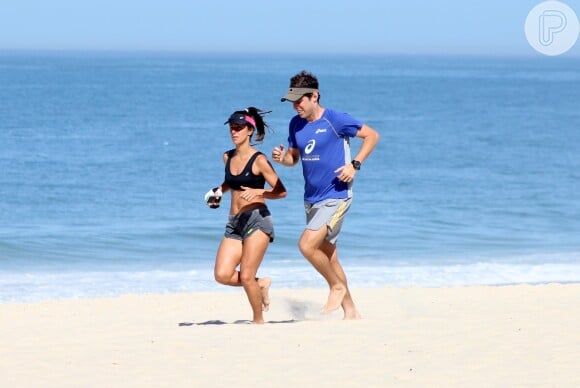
x: 241, y: 226
x: 329, y: 212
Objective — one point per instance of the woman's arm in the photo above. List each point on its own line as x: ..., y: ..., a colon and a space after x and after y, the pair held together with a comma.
x: 277, y: 190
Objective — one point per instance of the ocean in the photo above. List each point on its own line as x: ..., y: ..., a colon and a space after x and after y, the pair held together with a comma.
x: 105, y: 159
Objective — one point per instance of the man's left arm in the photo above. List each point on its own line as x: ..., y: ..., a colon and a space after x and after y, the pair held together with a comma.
x: 370, y: 138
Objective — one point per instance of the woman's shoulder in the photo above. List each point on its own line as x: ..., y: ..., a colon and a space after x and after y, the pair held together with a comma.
x: 261, y: 159
x: 259, y: 155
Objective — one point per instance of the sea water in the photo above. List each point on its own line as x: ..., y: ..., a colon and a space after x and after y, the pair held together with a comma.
x: 105, y: 159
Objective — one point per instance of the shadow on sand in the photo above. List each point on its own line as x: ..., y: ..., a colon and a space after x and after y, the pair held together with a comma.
x: 299, y: 310
x: 218, y: 322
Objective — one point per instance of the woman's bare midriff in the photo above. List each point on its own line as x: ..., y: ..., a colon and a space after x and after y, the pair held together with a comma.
x: 240, y: 205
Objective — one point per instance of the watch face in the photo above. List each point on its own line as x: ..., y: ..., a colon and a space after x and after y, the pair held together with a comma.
x: 356, y: 164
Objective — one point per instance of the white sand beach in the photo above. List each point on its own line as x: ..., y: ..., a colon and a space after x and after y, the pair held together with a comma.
x: 510, y: 336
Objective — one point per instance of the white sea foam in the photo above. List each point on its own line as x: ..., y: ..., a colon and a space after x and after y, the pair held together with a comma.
x: 40, y: 286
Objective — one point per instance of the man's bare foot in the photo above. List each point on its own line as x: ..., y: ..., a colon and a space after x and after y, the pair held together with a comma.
x: 335, y: 298
x: 258, y: 322
x: 264, y: 284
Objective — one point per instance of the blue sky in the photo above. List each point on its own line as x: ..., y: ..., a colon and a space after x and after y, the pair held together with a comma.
x: 325, y: 26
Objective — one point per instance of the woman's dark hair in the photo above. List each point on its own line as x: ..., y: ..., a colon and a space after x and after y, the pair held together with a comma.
x: 258, y: 116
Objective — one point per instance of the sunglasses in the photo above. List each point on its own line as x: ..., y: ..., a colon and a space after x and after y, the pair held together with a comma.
x: 237, y: 127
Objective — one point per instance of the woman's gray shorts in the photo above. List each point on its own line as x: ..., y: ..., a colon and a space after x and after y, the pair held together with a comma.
x: 329, y: 212
x: 241, y: 226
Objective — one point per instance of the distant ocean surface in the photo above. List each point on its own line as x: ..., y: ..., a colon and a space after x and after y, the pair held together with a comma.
x: 105, y: 158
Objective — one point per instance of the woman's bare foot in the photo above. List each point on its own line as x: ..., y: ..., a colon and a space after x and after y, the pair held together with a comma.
x: 264, y: 284
x: 351, y: 315
x: 350, y: 310
x: 335, y: 298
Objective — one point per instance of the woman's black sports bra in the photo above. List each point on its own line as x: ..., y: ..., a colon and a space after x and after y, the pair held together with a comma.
x: 246, y: 178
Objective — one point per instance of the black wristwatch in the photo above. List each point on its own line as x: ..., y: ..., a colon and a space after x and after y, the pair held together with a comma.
x: 356, y: 164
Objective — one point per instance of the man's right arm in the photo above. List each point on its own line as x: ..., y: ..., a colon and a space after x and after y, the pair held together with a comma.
x: 285, y: 157
x: 293, y: 156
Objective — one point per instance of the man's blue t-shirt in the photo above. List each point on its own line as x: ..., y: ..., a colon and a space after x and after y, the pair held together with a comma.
x: 324, y: 146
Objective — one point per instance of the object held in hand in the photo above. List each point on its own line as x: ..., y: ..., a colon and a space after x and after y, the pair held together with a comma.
x: 213, y: 197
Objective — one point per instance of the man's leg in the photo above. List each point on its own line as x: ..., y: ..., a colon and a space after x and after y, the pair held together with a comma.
x: 310, y: 246
x: 350, y: 311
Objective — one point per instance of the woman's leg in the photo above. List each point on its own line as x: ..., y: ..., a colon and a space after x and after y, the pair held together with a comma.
x: 228, y: 257
x: 254, y: 248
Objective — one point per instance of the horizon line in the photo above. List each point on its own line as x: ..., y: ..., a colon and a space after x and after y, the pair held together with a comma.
x: 531, y: 54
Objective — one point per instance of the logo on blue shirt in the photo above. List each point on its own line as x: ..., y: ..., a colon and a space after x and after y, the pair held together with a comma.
x: 309, y: 147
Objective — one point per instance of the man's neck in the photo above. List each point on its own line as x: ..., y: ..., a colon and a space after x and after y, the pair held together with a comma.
x: 316, y: 114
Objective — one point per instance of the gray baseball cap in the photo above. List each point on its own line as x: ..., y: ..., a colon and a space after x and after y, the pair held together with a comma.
x: 294, y: 94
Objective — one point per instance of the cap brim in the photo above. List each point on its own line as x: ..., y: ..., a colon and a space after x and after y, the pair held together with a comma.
x: 236, y: 121
x: 295, y: 94
x: 291, y: 97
